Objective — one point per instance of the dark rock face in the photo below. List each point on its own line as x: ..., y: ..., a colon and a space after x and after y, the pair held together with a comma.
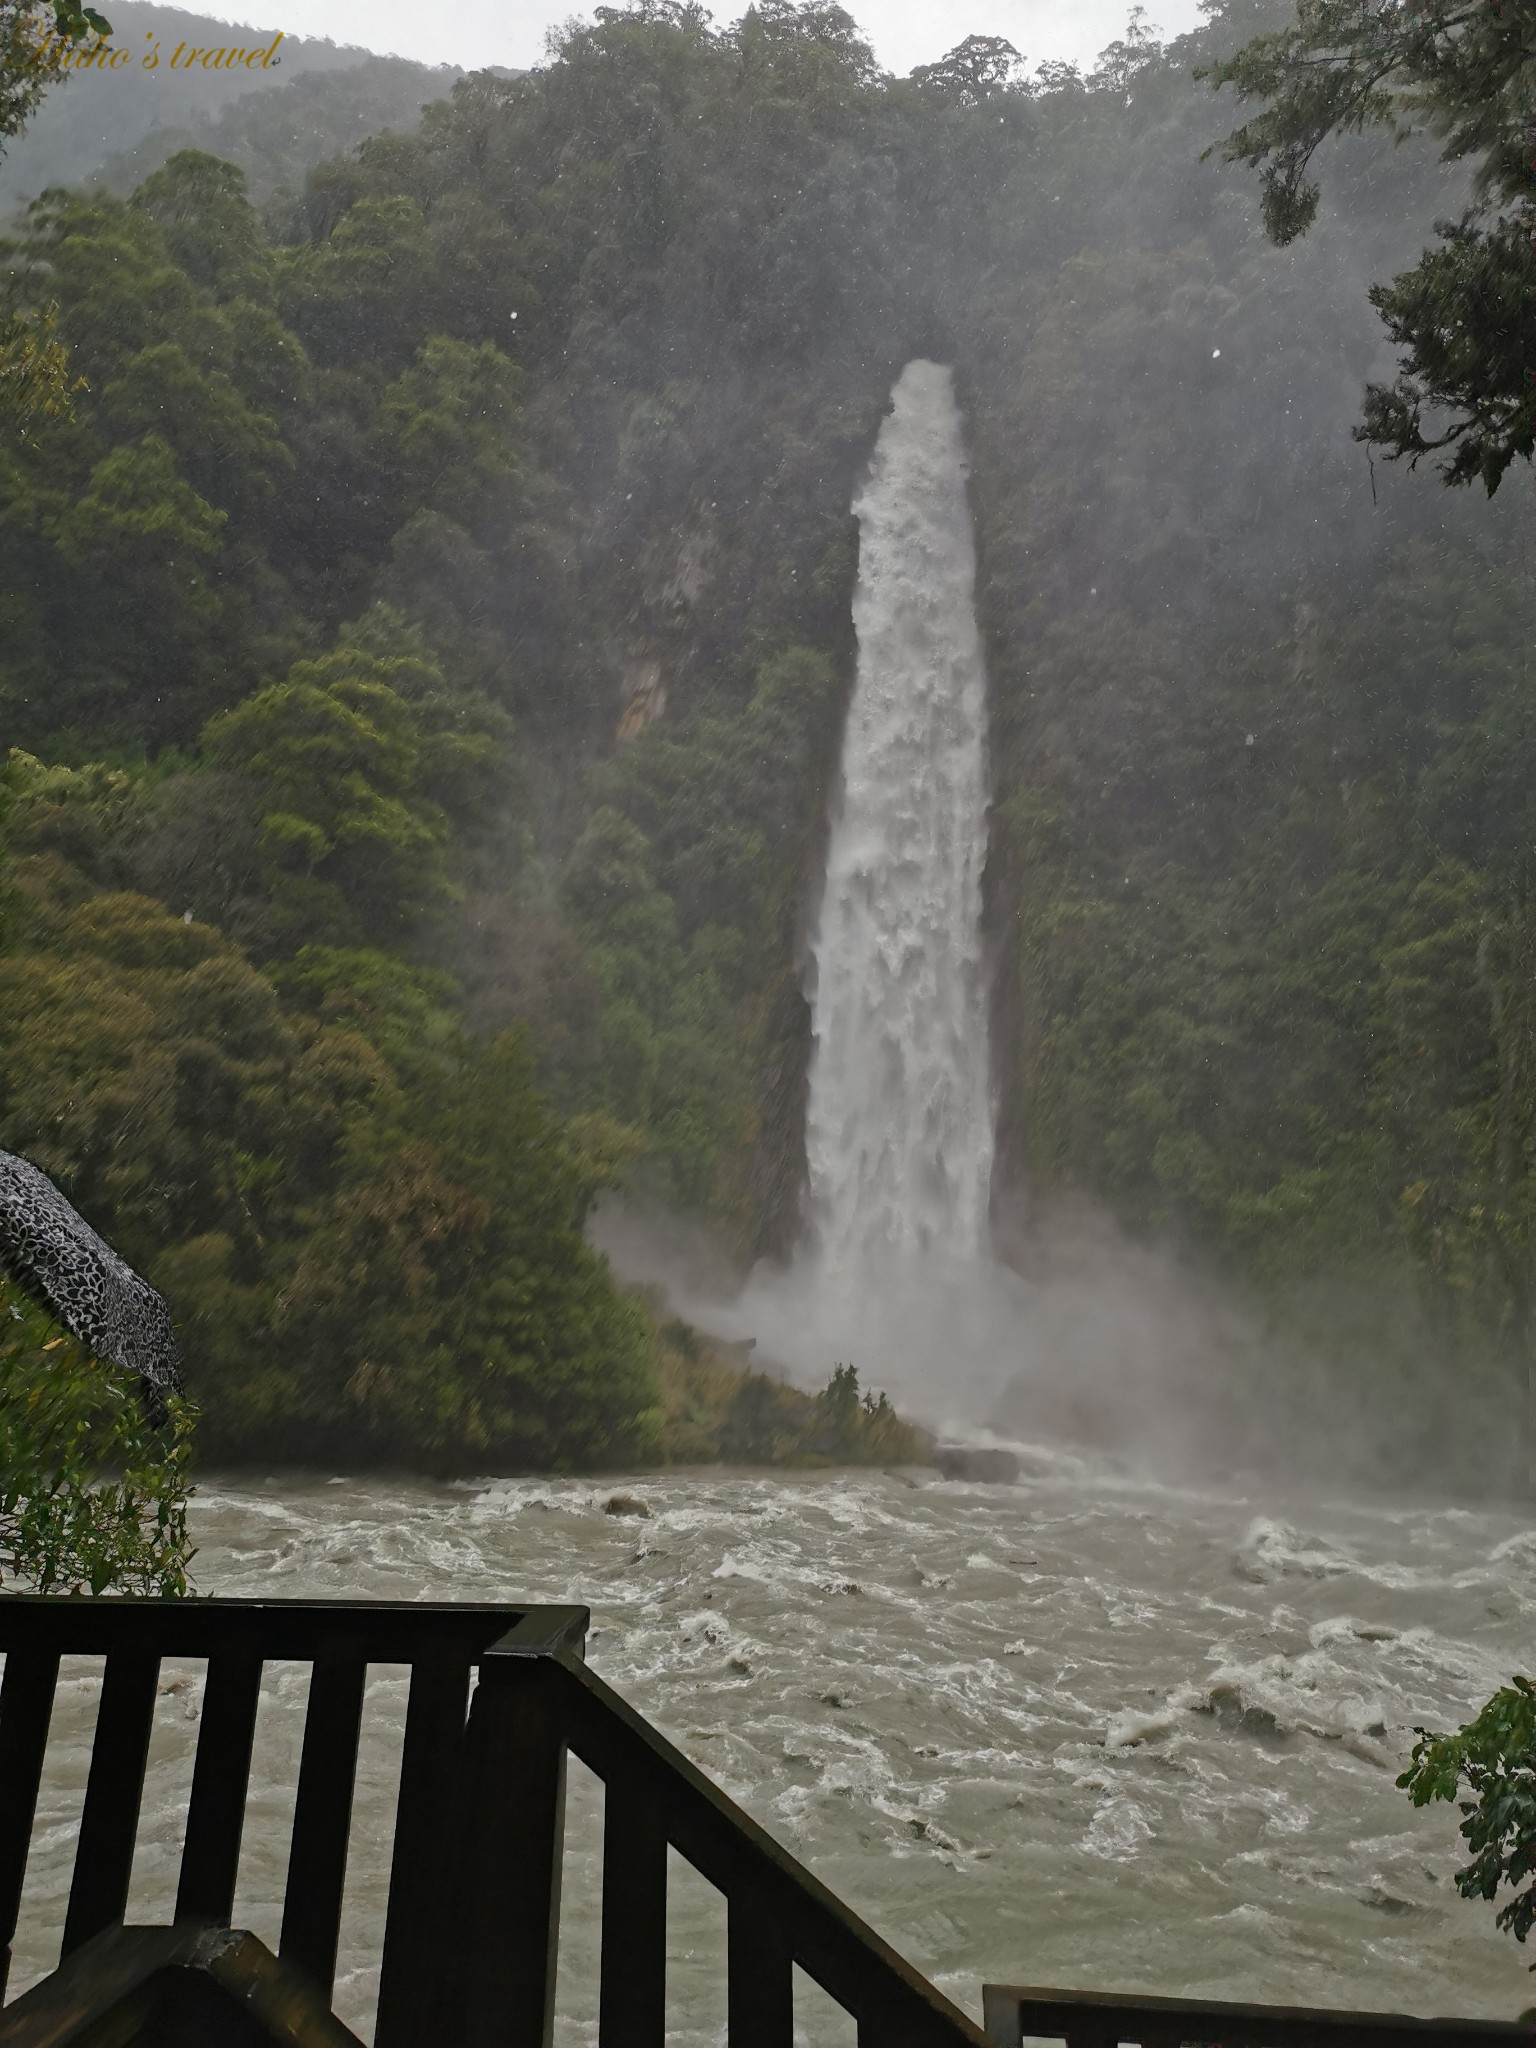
x: 778, y: 1170
x: 994, y: 1468
x: 48, y: 1248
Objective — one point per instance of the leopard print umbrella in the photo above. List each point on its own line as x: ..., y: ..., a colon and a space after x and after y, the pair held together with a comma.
x: 50, y: 1249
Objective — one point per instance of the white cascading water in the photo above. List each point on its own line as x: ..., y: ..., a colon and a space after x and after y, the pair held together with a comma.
x: 899, y: 1129
x: 895, y: 1275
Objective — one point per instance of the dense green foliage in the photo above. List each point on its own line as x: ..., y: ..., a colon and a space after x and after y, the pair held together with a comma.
x: 425, y: 650
x: 1495, y: 1753
x: 1462, y: 317
x: 368, y: 1227
x: 91, y: 1496
x: 35, y: 383
x: 74, y: 22
x: 22, y: 84
x: 716, y: 1412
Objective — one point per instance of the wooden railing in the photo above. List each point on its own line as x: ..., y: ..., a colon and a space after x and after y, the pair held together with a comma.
x: 1016, y: 2013
x: 498, y: 1697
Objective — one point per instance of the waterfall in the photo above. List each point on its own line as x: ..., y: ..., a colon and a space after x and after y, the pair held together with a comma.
x: 899, y: 1127
x: 895, y: 1275
x: 1101, y: 1339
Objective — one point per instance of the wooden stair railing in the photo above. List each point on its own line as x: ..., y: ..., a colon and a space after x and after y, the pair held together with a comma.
x: 498, y: 1696
x: 1016, y: 2013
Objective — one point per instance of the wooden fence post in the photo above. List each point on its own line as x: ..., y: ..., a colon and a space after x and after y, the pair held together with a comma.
x: 498, y: 1987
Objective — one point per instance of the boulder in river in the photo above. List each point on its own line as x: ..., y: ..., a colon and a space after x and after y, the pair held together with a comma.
x: 967, y: 1461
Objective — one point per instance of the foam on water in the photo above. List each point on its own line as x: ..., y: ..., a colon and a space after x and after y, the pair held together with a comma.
x: 998, y: 1719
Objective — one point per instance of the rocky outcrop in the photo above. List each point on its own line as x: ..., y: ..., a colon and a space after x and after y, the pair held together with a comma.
x: 776, y: 1175
x: 675, y: 569
x: 644, y: 696
x: 966, y: 1461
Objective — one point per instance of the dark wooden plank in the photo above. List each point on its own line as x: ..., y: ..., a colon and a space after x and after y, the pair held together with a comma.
x: 419, y: 1886
x: 497, y: 1988
x: 885, y: 2014
x: 760, y: 1978
x: 210, y: 1856
x: 632, y: 2008
x: 393, y: 1632
x: 1108, y: 2017
x: 98, y: 1895
x: 546, y: 1632
x: 173, y: 1987
x: 322, y: 1813
x: 26, y: 1706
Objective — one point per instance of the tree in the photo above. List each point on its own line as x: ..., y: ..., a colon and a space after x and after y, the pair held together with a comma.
x: 210, y: 227
x: 35, y: 383
x: 1495, y: 1754
x: 347, y: 771
x: 368, y: 1227
x: 449, y: 1308
x: 362, y: 294
x: 91, y: 1496
x: 23, y: 31
x: 973, y: 70
x: 22, y: 79
x: 75, y: 21
x: 1462, y: 317
x: 807, y: 48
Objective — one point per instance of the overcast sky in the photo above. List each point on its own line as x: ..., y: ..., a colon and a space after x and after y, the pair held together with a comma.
x: 904, y: 32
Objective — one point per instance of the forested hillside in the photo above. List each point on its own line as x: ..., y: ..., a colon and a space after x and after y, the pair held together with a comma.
x: 423, y: 661
x: 278, y: 137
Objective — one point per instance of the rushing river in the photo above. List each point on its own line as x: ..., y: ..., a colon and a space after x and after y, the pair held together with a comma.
x: 1079, y: 1731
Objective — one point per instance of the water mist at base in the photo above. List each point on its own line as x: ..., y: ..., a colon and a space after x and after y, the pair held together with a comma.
x: 897, y: 1274
x: 1077, y: 1332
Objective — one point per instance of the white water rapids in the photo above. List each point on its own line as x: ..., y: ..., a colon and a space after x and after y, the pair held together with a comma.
x: 1078, y: 1731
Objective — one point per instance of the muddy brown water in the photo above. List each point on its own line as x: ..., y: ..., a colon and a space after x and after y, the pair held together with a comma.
x: 1078, y: 1731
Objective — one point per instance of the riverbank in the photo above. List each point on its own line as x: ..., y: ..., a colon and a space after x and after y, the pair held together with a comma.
x: 717, y: 1409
